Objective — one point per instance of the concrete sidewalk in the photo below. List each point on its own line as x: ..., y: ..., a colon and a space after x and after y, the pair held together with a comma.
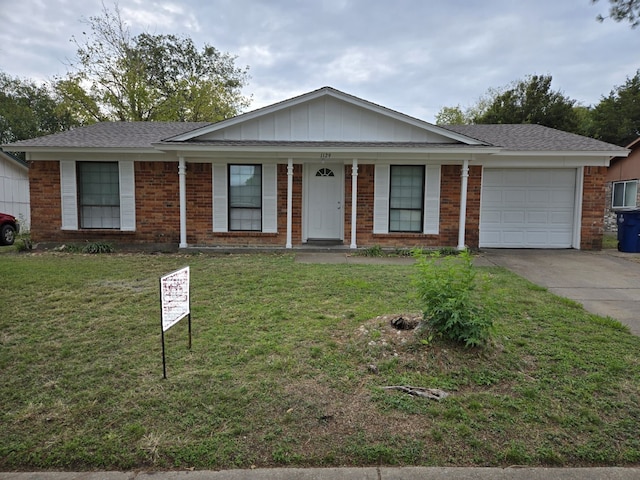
x: 370, y: 473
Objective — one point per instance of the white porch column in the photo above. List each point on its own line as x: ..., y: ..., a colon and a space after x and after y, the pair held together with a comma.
x: 289, y: 201
x: 182, y: 174
x: 354, y: 202
x: 463, y: 204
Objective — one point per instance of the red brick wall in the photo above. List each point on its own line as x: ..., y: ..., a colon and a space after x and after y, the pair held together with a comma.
x: 44, y: 187
x: 158, y: 209
x: 593, y: 205
x: 157, y: 206
x: 450, y: 184
x: 200, y: 212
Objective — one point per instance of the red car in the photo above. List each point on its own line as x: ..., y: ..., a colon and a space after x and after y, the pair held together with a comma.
x: 9, y: 227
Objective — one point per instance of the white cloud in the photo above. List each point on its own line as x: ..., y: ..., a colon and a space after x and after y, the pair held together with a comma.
x: 409, y: 55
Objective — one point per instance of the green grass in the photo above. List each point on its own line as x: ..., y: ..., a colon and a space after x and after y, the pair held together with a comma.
x: 610, y: 241
x: 279, y: 373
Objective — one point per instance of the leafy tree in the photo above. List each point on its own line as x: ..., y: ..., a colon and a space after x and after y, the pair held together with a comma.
x: 531, y: 101
x: 149, y: 77
x: 616, y: 119
x: 621, y: 10
x: 451, y: 116
x: 28, y: 110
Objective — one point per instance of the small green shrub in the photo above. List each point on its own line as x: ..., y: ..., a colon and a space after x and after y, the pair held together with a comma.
x: 98, y: 247
x: 446, y: 285
x: 375, y: 251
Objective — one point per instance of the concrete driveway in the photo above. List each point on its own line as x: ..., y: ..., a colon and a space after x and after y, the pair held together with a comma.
x: 607, y: 283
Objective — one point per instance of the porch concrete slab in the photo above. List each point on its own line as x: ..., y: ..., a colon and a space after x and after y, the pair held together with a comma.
x: 606, y: 283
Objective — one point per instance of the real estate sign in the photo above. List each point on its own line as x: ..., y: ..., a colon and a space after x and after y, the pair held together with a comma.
x: 174, y: 297
x: 174, y: 304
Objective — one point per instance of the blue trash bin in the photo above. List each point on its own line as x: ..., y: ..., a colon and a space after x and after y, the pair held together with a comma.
x: 629, y: 231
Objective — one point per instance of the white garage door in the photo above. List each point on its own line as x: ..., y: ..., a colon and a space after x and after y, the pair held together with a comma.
x: 527, y: 208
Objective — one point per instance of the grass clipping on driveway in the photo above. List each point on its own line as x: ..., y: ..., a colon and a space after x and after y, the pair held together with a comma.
x: 288, y: 368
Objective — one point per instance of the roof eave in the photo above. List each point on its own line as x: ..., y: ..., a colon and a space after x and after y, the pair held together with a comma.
x: 136, y: 150
x: 186, y: 147
x: 563, y: 153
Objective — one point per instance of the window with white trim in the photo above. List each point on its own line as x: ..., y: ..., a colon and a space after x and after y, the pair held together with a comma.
x: 245, y: 197
x: 406, y: 198
x: 98, y: 194
x: 624, y: 194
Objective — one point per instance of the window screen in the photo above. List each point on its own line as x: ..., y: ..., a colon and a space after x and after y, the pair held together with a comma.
x: 406, y: 199
x: 245, y: 197
x: 99, y: 194
x: 625, y: 194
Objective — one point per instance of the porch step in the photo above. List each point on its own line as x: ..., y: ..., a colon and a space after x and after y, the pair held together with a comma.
x: 324, y: 243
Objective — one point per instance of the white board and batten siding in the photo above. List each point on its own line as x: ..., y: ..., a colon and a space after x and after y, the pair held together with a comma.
x: 326, y: 119
x: 14, y: 191
x: 527, y: 208
x: 431, y: 220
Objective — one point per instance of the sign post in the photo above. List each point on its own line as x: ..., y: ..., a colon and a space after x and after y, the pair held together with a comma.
x: 175, y: 304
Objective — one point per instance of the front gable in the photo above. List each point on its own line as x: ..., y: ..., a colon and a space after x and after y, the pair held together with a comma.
x: 326, y: 115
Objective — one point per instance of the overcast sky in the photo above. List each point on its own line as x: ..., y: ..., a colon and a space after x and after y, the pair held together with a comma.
x: 414, y: 56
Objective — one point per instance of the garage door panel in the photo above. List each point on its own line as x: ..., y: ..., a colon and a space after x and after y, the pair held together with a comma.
x: 537, y: 217
x: 537, y: 196
x: 563, y: 177
x: 513, y: 197
x: 527, y: 208
x: 512, y: 217
x: 560, y: 218
x: 562, y: 197
x: 494, y: 198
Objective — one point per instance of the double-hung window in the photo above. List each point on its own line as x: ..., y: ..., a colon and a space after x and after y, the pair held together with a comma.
x: 245, y: 197
x: 624, y: 194
x: 98, y: 194
x: 406, y: 198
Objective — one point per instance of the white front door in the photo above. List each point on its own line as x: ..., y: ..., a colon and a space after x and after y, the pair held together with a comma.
x: 324, y: 199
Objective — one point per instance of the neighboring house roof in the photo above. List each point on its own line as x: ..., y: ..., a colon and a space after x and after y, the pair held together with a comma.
x: 13, y: 159
x: 528, y: 137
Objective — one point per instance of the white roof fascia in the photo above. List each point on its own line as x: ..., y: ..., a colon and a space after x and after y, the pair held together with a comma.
x: 563, y: 153
x: 319, y: 149
x: 532, y: 161
x: 101, y: 150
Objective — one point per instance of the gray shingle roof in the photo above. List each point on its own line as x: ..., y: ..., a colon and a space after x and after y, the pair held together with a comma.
x: 137, y: 135
x: 526, y: 137
x: 111, y: 135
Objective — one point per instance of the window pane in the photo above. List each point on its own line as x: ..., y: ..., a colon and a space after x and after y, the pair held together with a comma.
x: 99, y: 194
x: 630, y: 194
x: 624, y: 194
x: 245, y: 197
x: 406, y: 199
x: 618, y: 194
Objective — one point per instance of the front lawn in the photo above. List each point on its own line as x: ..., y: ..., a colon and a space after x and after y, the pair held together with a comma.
x: 288, y: 367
